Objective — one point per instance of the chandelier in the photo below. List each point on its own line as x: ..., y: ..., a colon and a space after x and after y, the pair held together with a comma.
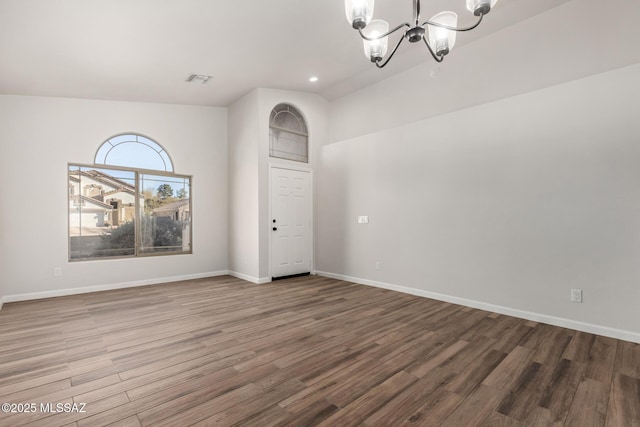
x: 438, y: 33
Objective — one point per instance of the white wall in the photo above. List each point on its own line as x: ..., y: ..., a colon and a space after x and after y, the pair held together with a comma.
x: 39, y: 136
x: 574, y: 40
x: 511, y: 203
x: 243, y: 187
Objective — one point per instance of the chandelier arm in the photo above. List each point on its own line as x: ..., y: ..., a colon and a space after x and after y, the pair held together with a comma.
x: 448, y: 27
x: 392, y: 53
x: 371, y: 39
x: 436, y: 57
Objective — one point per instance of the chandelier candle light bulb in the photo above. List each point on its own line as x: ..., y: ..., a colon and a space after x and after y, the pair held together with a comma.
x: 441, y: 29
x: 480, y: 7
x: 359, y: 12
x: 441, y: 39
x: 376, y: 49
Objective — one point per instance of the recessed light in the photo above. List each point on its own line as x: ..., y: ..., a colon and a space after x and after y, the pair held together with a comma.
x: 313, y: 79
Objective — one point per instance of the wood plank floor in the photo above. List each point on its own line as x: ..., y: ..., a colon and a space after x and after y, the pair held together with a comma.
x: 305, y: 351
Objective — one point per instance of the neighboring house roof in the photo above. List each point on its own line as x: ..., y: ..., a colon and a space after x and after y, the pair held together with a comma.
x: 116, y: 184
x: 126, y: 190
x: 108, y: 179
x: 173, y: 206
x: 92, y: 201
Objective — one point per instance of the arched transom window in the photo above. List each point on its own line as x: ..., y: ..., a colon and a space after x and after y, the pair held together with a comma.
x: 135, y: 151
x: 288, y: 135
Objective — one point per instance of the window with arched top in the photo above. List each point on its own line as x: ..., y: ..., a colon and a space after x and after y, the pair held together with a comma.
x: 288, y: 134
x: 128, y: 203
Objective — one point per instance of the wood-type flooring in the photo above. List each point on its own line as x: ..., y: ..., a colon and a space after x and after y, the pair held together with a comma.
x: 301, y: 352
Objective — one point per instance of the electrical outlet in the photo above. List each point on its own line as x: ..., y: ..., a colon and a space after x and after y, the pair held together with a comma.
x: 378, y: 265
x: 57, y: 271
x: 576, y: 295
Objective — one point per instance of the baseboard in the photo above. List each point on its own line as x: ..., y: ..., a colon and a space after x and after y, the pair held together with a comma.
x: 256, y: 280
x: 537, y: 317
x: 108, y: 287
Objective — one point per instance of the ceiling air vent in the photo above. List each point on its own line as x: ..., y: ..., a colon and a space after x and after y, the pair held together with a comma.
x: 202, y: 77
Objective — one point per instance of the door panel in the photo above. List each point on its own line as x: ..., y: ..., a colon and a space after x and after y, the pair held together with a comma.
x: 299, y: 250
x: 291, y: 230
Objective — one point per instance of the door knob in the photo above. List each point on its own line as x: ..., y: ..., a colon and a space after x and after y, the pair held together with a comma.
x: 275, y: 228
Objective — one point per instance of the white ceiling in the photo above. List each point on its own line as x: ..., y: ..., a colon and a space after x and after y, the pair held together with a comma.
x: 142, y: 50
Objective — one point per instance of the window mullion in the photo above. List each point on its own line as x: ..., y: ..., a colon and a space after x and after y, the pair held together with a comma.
x: 136, y: 217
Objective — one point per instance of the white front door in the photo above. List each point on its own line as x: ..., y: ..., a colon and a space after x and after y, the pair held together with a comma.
x: 290, y: 222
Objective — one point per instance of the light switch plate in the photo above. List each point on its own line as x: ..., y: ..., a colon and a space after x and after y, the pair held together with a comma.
x: 363, y: 219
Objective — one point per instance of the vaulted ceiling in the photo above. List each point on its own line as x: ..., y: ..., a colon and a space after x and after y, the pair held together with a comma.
x: 143, y: 50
